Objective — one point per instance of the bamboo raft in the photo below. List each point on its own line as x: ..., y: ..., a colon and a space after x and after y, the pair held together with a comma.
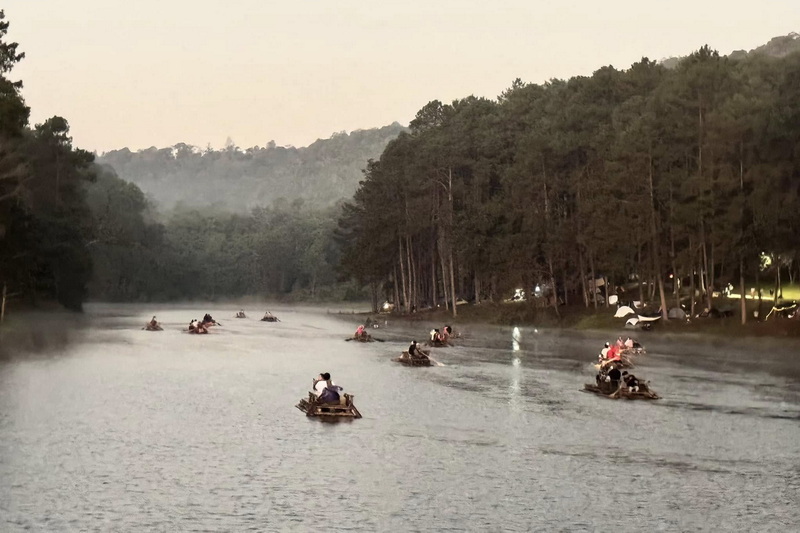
x: 344, y: 408
x: 622, y: 392
x: 438, y: 344
x: 150, y: 327
x: 270, y: 319
x: 407, y: 359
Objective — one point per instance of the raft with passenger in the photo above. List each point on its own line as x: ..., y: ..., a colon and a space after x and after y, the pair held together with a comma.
x: 153, y: 325
x: 644, y: 392
x: 438, y: 343
x: 342, y: 408
x: 269, y: 317
x: 421, y: 359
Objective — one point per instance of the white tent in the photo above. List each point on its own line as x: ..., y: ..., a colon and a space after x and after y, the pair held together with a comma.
x: 676, y: 313
x: 624, y: 311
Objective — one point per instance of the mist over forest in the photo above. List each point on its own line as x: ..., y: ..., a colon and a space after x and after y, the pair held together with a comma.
x: 238, y: 180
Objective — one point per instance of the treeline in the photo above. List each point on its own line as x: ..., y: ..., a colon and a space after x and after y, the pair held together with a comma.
x: 44, y: 219
x: 71, y: 229
x: 646, y: 174
x: 239, y: 180
x: 206, y: 254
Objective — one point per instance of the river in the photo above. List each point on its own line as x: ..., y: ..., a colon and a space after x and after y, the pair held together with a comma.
x: 127, y: 430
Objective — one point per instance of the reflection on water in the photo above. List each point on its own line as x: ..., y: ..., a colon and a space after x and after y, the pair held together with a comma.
x: 131, y: 430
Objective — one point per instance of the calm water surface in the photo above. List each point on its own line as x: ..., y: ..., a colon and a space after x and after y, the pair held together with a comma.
x: 128, y: 430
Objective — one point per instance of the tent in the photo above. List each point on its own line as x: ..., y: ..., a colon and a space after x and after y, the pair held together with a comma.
x: 676, y: 313
x: 624, y: 311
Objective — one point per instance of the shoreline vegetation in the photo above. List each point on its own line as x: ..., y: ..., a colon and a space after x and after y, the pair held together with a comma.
x: 577, y: 317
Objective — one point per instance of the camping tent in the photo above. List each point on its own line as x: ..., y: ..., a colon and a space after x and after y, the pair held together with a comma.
x: 676, y: 313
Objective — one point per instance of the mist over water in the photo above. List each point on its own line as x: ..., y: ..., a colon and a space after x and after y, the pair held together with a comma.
x: 121, y: 429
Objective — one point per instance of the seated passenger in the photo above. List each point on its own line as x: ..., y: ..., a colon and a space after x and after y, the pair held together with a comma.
x: 630, y: 382
x: 604, y: 351
x: 629, y: 343
x: 432, y: 335
x: 613, y: 353
x: 325, y: 390
x: 153, y: 321
x: 613, y: 377
x: 412, y: 349
x: 360, y: 332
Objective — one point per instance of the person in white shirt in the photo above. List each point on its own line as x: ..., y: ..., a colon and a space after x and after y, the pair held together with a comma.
x: 326, y: 390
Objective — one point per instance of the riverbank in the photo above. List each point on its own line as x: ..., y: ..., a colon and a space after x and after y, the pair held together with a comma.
x: 580, y: 318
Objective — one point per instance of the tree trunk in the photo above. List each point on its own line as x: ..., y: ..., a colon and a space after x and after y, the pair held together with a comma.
x: 693, y: 284
x: 704, y: 249
x: 396, y: 289
x: 743, y: 301
x: 412, y: 277
x: 555, y: 285
x: 450, y: 235
x: 444, y: 280
x: 434, y: 296
x: 656, y: 253
x: 583, y: 278
x: 405, y: 306
x: 453, y: 285
x: 594, y: 280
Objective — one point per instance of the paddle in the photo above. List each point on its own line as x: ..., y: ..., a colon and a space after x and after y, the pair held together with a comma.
x: 434, y: 361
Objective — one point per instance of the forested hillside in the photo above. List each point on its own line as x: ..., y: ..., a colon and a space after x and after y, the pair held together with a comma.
x: 238, y: 180
x: 777, y: 47
x: 662, y: 176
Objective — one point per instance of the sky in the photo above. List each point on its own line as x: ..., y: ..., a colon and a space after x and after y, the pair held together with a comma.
x: 148, y: 73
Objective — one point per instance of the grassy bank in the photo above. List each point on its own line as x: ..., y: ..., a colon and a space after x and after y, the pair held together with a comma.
x: 579, y: 317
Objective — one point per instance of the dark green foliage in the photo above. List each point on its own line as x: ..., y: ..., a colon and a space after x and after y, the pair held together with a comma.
x: 626, y: 175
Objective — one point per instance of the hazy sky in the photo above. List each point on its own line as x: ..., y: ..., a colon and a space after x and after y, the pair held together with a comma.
x: 142, y: 73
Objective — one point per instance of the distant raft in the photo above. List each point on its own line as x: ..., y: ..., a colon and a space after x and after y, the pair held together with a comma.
x: 414, y: 360
x: 341, y: 409
x: 363, y: 337
x: 437, y: 343
x: 153, y: 327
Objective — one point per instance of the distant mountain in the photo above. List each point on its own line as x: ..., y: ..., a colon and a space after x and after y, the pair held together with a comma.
x: 776, y: 47
x: 320, y: 174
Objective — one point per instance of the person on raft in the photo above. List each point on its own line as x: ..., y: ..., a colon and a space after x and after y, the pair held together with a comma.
x: 414, y: 351
x: 361, y: 332
x: 326, y: 390
x: 631, y: 382
x: 612, y: 377
x: 153, y: 322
